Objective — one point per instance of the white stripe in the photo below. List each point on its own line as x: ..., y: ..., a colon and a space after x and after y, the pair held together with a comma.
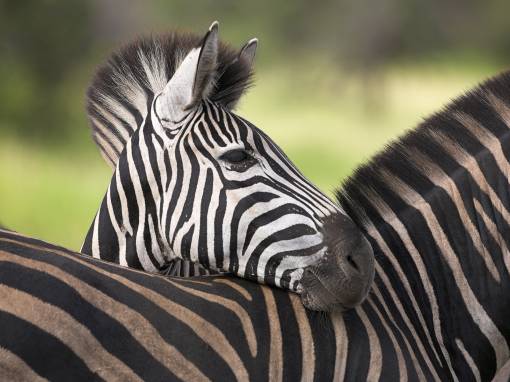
x: 123, y: 203
x: 120, y: 235
x: 375, y: 351
x: 141, y: 251
x: 95, y: 237
x: 402, y: 368
x: 471, y: 363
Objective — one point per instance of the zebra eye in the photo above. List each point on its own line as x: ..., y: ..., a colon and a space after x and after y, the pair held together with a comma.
x: 236, y: 156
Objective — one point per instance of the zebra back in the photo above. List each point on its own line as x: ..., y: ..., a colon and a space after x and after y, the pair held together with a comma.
x: 68, y: 316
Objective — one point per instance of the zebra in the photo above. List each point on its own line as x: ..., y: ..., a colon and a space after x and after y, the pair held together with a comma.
x: 434, y: 206
x: 194, y: 181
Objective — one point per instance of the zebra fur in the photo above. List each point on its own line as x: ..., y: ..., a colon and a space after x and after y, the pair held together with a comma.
x: 66, y: 316
x: 118, y: 95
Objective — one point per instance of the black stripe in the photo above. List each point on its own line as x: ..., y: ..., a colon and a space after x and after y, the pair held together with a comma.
x: 32, y: 345
x: 269, y: 217
x: 167, y: 326
x: 203, y: 252
x: 114, y: 337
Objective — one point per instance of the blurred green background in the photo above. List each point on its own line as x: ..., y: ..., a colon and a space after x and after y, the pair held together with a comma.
x: 336, y: 80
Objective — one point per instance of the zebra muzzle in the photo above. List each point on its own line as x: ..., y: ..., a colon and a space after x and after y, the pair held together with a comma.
x: 342, y: 278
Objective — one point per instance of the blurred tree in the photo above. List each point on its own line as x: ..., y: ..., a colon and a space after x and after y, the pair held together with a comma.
x: 41, y: 42
x: 48, y: 48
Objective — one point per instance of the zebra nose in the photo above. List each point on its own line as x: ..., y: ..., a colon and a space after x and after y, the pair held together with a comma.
x: 348, y: 246
x: 342, y: 279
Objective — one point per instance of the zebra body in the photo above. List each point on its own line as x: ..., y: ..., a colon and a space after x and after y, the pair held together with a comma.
x: 65, y: 316
x: 195, y: 182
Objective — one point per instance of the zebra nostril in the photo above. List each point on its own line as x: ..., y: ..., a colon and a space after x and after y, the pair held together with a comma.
x: 352, y: 263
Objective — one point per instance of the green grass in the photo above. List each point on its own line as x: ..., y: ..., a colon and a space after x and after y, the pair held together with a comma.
x: 319, y: 119
x: 51, y: 194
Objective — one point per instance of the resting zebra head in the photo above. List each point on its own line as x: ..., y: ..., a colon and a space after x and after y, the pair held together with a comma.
x: 194, y: 181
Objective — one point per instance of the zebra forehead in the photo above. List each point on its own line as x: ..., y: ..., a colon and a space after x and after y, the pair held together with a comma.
x: 216, y: 123
x: 122, y: 89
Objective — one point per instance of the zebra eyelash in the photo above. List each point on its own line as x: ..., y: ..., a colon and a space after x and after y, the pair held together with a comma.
x: 238, y: 159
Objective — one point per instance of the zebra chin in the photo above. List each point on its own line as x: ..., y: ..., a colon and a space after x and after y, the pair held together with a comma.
x: 343, y: 277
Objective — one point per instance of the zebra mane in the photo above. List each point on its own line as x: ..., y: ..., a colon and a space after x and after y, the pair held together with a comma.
x: 465, y: 135
x: 123, y: 88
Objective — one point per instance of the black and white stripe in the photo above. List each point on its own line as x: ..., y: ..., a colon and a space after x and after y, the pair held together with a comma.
x: 194, y: 181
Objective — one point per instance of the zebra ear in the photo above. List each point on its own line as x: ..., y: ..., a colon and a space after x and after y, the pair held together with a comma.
x: 248, y: 51
x: 244, y: 59
x: 192, y: 81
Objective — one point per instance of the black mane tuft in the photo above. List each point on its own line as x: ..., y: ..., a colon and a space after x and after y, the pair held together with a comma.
x: 123, y: 88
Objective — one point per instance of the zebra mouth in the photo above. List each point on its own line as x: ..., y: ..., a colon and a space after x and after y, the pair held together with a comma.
x: 326, y: 288
x: 315, y: 295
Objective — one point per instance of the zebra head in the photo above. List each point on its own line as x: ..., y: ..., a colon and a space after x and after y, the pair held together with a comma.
x: 194, y: 181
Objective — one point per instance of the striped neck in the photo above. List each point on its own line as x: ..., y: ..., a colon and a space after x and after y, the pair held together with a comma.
x: 126, y: 229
